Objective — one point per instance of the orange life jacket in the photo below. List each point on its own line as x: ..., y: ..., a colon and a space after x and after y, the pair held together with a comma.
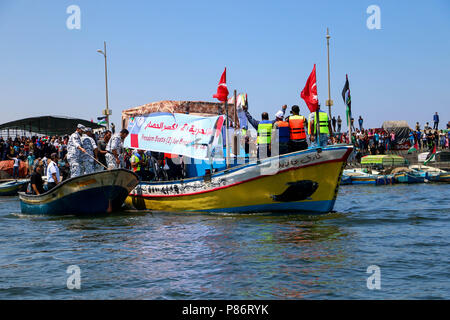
x: 297, y: 126
x: 283, y: 131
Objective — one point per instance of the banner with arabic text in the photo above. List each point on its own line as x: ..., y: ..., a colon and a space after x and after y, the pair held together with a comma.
x: 183, y: 134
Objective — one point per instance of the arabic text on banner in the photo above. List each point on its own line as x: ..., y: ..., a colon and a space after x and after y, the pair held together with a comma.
x: 176, y: 133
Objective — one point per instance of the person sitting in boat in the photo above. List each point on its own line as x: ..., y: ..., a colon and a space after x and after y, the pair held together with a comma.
x: 264, y: 129
x: 88, y: 158
x: 53, y: 176
x: 114, y: 149
x: 74, y: 150
x: 37, y: 185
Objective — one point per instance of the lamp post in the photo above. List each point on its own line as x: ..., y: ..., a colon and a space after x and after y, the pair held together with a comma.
x: 106, y: 112
x: 329, y: 102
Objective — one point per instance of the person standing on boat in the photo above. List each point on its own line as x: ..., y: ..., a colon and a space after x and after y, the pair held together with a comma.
x: 114, y: 149
x: 324, y: 127
x: 37, y: 185
x: 75, y: 150
x: 333, y: 123
x: 264, y: 129
x: 102, y: 148
x: 297, y: 125
x: 281, y: 133
x: 88, y: 143
x: 53, y: 176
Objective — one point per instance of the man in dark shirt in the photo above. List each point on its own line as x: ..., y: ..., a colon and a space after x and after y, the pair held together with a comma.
x: 37, y: 185
x: 102, y: 147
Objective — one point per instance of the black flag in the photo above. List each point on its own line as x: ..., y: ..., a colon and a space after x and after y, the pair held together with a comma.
x: 347, y: 100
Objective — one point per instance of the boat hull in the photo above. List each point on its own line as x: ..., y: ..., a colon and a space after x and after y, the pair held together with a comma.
x: 369, y: 179
x: 305, y: 181
x: 445, y: 177
x: 95, y: 193
x: 408, y: 178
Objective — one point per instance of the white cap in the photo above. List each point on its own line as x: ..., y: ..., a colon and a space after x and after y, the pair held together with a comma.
x: 279, y: 114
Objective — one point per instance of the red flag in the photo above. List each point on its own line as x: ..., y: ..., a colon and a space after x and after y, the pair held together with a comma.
x: 222, y: 90
x: 309, y: 93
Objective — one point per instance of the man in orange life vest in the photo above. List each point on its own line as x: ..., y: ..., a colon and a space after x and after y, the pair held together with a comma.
x: 281, y: 133
x: 297, y: 125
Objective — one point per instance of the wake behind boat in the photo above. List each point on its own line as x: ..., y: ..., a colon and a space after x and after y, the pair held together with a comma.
x: 96, y: 193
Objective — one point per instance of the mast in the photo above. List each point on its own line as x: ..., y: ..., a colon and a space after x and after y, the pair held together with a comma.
x: 329, y: 102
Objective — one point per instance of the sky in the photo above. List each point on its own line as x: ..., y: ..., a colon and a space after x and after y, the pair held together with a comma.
x: 177, y: 50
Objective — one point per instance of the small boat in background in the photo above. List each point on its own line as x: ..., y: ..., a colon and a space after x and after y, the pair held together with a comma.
x: 95, y: 193
x: 386, y: 179
x: 11, y: 188
x: 429, y: 173
x: 346, y: 180
x: 409, y: 177
x: 444, y: 177
x: 360, y: 176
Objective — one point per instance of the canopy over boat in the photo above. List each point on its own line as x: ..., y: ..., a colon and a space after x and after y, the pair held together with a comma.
x: 199, y: 108
x: 385, y: 160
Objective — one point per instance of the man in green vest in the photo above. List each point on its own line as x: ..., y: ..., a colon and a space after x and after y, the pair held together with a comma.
x: 324, y: 127
x: 264, y: 129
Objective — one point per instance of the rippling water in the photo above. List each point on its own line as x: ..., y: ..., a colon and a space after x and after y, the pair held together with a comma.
x: 403, y: 229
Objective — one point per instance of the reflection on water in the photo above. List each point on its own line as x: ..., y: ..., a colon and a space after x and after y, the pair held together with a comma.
x: 144, y: 255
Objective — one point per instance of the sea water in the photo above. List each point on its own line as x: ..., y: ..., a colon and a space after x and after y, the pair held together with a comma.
x: 384, y: 242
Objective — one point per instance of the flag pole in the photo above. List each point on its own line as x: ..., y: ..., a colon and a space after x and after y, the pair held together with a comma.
x: 317, y: 122
x: 349, y: 116
x: 227, y: 140
x: 329, y: 101
x: 235, y: 131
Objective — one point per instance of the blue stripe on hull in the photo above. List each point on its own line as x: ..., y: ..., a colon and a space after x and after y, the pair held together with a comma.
x: 86, y: 202
x: 310, y: 207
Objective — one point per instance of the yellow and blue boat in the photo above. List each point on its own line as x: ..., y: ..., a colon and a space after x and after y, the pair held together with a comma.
x: 96, y: 193
x: 304, y: 181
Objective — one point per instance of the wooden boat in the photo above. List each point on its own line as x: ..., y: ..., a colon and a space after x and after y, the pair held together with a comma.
x: 360, y: 176
x: 386, y: 179
x: 304, y: 181
x: 11, y: 188
x: 429, y: 173
x: 346, y: 180
x: 100, y: 192
x: 408, y: 177
x: 444, y: 177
